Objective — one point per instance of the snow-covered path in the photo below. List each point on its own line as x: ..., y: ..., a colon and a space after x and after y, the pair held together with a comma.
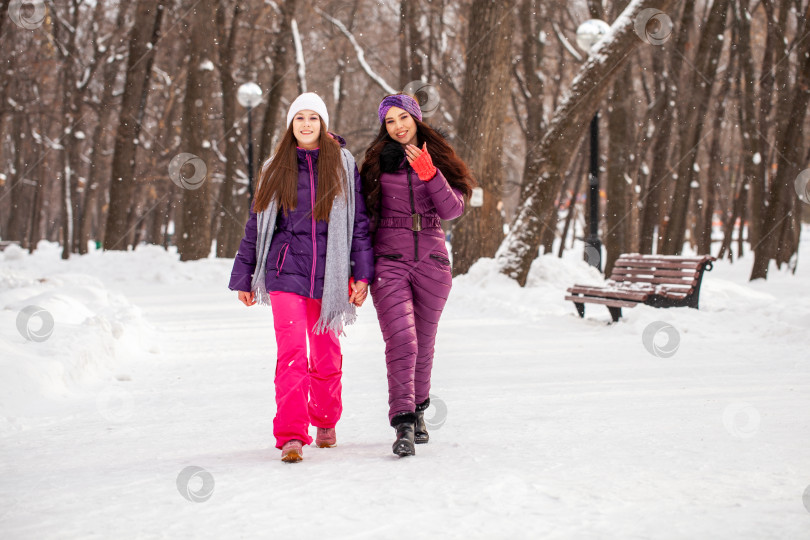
x: 547, y: 426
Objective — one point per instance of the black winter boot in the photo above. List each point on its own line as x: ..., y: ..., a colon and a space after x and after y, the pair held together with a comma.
x: 404, y: 423
x: 420, y: 428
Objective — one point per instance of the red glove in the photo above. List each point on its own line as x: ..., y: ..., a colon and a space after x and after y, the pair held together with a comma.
x: 423, y: 165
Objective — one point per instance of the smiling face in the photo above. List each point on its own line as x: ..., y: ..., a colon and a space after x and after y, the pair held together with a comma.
x: 307, y: 129
x: 400, y: 125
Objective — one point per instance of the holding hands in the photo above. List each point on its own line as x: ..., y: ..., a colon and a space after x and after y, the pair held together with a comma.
x: 420, y: 161
x: 358, y: 290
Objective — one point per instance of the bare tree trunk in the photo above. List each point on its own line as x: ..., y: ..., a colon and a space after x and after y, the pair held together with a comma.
x: 339, y: 86
x: 170, y: 216
x: 300, y: 61
x: 549, y: 232
x: 739, y: 195
x: 232, y: 208
x: 480, y: 129
x: 716, y: 161
x: 532, y: 85
x: 94, y: 179
x: 745, y: 220
x: 667, y: 77
x: 696, y: 102
x: 403, y: 43
x: 579, y: 174
x: 571, y: 119
x: 618, y: 186
x: 4, y: 11
x: 282, y: 47
x: 411, y: 52
x: 777, y: 236
x: 36, y: 211
x: 154, y: 227
x: 106, y: 107
x: 64, y: 33
x: 572, y: 204
x: 18, y: 216
x: 194, y: 235
x: 659, y: 173
x: 750, y: 123
x: 5, y: 73
x: 142, y: 39
x: 77, y: 71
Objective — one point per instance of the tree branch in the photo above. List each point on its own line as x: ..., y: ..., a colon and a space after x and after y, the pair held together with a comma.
x: 361, y: 56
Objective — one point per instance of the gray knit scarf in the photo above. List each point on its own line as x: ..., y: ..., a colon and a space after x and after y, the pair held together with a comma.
x: 336, y: 311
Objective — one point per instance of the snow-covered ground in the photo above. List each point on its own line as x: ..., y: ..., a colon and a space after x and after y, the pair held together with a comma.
x: 153, y: 380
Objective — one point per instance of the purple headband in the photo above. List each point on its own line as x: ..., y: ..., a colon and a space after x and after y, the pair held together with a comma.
x: 404, y: 102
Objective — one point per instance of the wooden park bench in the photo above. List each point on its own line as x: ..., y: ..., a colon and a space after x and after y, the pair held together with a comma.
x: 654, y: 280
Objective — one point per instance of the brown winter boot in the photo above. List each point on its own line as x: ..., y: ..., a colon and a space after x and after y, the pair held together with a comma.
x: 292, y: 451
x: 326, y: 438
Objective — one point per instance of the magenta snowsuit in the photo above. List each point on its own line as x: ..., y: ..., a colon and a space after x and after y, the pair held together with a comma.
x: 412, y: 278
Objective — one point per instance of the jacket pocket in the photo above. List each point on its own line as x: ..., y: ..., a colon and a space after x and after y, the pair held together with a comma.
x: 441, y: 258
x: 282, y: 255
x: 392, y: 256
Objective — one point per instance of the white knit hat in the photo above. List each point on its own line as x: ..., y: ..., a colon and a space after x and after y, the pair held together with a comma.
x: 308, y: 101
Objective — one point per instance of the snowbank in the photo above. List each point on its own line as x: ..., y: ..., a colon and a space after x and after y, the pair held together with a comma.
x: 63, y: 330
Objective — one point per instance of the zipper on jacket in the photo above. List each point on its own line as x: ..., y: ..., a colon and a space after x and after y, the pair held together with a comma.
x: 314, y: 247
x: 413, y: 217
x: 281, y: 258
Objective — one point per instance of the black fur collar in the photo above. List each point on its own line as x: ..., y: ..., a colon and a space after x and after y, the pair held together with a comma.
x: 391, y: 157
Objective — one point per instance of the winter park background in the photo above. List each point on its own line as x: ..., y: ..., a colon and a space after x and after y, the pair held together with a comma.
x: 136, y: 392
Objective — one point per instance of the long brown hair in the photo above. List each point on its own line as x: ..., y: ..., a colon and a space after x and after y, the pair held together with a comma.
x: 279, y: 178
x: 441, y: 153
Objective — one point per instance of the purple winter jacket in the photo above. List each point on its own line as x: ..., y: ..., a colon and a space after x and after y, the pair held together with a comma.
x: 296, y: 261
x: 404, y: 194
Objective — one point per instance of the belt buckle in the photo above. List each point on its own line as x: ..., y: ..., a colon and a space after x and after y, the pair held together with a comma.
x: 416, y: 220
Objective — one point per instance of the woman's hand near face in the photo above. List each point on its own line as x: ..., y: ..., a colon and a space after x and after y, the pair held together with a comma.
x: 421, y: 162
x: 247, y: 298
x: 412, y: 152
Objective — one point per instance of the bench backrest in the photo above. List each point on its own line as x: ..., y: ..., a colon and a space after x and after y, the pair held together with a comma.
x: 659, y: 269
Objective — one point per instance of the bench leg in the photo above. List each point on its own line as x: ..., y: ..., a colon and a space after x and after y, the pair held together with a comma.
x: 615, y: 313
x: 580, y: 309
x: 693, y: 299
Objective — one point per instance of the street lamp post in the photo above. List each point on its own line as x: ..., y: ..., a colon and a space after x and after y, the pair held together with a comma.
x: 249, y: 95
x: 588, y: 34
x: 594, y: 255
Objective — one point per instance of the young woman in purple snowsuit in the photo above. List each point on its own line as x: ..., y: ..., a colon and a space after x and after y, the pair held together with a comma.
x: 412, y: 179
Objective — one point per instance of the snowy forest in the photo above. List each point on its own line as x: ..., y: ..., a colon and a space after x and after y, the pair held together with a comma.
x: 702, y: 113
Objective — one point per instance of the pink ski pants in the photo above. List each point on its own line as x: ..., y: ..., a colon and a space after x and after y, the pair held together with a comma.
x: 307, y: 388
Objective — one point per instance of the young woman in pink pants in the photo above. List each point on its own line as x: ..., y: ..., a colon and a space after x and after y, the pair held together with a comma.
x: 307, y: 252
